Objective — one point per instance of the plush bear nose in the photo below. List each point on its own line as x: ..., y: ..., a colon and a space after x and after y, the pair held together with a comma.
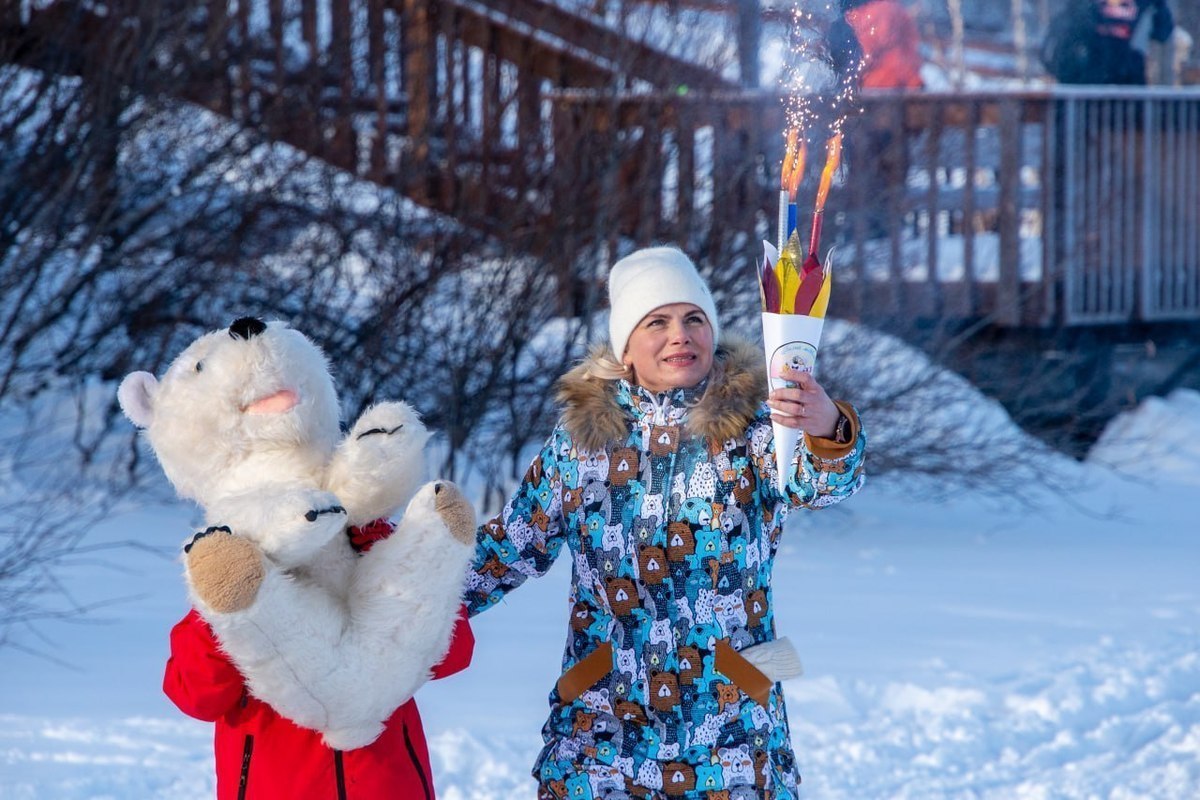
x: 247, y: 327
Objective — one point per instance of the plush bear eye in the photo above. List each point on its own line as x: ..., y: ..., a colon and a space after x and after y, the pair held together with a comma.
x: 199, y: 366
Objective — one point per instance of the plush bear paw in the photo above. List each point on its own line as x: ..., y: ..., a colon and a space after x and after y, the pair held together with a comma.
x: 304, y: 521
x: 378, y: 466
x: 224, y: 570
x: 290, y: 525
x: 455, y: 510
x: 384, y: 424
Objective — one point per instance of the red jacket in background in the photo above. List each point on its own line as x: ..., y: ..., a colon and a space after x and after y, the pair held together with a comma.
x: 890, y: 45
x: 262, y: 756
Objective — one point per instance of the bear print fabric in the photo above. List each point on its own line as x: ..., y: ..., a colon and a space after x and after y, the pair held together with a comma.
x: 672, y: 538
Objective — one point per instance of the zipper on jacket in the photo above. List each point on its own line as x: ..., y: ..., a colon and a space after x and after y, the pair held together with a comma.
x: 412, y: 753
x: 340, y: 770
x: 244, y: 780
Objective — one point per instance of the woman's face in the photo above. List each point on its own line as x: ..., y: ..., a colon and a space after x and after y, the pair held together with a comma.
x: 671, y: 348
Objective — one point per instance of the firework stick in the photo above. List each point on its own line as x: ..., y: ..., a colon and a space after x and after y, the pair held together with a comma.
x: 833, y: 157
x: 795, y: 176
x: 814, y: 240
x: 784, y: 212
x: 785, y: 174
x: 791, y: 172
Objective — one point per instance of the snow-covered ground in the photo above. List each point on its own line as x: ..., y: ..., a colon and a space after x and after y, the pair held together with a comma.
x: 977, y: 647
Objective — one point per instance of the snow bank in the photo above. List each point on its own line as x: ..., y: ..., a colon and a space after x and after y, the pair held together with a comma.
x: 1112, y: 722
x: 1159, y: 440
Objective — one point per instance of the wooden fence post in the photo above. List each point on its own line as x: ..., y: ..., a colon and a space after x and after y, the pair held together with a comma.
x: 970, y: 305
x: 420, y: 79
x: 1008, y: 289
x: 377, y: 70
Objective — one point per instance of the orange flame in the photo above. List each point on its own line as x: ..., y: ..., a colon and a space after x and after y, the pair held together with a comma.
x: 789, y: 153
x: 798, y: 170
x: 793, y: 163
x: 833, y: 157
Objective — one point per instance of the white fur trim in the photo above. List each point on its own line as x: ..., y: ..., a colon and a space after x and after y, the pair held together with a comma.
x: 647, y: 279
x: 777, y: 659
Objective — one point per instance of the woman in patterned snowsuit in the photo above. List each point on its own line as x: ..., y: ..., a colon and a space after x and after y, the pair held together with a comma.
x: 661, y: 481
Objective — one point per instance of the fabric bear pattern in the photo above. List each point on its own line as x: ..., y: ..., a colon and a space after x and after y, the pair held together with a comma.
x: 673, y: 540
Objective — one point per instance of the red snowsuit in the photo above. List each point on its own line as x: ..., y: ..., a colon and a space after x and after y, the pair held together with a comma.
x: 262, y: 756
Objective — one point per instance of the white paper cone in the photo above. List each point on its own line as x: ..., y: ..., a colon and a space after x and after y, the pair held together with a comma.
x: 770, y: 253
x: 788, y: 339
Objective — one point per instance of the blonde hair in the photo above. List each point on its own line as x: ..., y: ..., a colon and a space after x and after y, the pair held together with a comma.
x: 604, y: 366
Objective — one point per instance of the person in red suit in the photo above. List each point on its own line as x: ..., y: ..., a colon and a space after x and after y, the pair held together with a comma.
x: 875, y: 44
x: 888, y: 41
x: 263, y: 756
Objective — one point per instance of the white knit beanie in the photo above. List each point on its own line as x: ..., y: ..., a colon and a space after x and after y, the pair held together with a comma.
x: 647, y: 279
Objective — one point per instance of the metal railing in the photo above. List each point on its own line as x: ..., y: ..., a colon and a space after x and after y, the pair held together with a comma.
x: 1129, y: 238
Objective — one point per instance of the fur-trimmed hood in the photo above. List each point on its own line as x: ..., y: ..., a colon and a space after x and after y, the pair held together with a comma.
x: 737, y: 386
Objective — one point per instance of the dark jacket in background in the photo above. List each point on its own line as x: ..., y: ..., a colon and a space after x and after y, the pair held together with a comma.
x: 1094, y: 41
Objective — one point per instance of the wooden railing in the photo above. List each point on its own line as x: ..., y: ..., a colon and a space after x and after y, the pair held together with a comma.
x: 1128, y: 238
x: 982, y: 206
x: 1021, y: 208
x: 443, y: 100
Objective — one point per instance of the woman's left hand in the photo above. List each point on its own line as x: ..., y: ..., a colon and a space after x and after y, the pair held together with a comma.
x: 806, y: 407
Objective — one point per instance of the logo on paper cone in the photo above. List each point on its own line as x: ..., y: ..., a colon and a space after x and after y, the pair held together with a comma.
x: 800, y: 356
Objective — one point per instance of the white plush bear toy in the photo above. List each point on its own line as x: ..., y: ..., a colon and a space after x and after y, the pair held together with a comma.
x: 245, y: 422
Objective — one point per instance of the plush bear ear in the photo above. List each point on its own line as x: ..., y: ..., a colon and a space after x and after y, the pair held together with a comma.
x: 136, y: 396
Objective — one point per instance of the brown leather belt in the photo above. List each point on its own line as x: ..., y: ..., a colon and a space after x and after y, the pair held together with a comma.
x: 744, y: 675
x: 583, y: 676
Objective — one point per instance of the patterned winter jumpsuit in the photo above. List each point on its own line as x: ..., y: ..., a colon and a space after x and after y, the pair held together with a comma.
x: 672, y: 537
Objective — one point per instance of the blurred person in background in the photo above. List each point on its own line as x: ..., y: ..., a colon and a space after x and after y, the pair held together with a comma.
x: 887, y: 42
x: 1105, y: 41
x: 875, y: 44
